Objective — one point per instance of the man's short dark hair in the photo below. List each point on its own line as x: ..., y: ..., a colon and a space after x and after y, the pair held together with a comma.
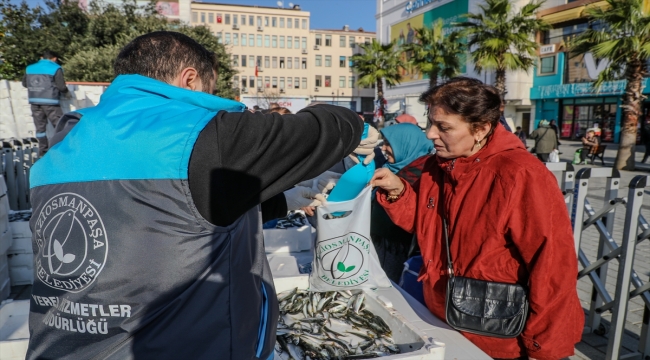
x: 161, y: 55
x: 48, y: 54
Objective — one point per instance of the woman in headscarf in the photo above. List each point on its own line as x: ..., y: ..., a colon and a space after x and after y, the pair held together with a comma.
x: 406, y: 149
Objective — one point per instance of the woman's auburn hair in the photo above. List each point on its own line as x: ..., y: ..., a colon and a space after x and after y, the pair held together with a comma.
x: 477, y: 103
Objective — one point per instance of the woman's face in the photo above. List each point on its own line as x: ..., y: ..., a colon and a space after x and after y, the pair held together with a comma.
x: 451, y: 135
x: 388, y: 151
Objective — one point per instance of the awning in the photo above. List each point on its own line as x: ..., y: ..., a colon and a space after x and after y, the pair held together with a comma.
x: 573, y: 14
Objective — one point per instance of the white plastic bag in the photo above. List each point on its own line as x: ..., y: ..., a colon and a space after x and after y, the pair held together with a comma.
x: 554, y: 156
x: 344, y: 257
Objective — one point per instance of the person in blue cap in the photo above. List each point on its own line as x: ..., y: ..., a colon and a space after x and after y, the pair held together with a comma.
x: 406, y: 148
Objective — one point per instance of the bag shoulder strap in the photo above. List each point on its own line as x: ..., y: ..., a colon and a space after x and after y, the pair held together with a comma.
x: 450, y: 264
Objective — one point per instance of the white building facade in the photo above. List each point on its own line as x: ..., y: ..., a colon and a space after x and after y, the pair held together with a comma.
x: 398, y: 19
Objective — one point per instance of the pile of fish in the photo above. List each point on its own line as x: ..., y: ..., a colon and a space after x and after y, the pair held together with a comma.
x: 330, y: 325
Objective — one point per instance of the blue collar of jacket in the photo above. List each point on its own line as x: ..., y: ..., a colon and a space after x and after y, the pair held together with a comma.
x: 138, y: 85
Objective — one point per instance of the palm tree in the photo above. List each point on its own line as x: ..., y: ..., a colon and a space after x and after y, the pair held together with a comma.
x: 620, y: 33
x: 501, y: 39
x: 435, y: 54
x: 378, y: 63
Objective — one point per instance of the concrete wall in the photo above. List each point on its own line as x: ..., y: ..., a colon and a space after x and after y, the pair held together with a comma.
x: 15, y: 111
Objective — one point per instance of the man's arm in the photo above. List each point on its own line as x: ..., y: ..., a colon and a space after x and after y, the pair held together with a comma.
x: 59, y: 82
x: 243, y: 159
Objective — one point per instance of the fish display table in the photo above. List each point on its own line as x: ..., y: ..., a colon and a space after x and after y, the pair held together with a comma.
x: 441, y: 341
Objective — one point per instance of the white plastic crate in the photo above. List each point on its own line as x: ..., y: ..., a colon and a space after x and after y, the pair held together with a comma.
x: 21, y: 246
x: 21, y: 275
x: 292, y: 239
x: 6, y: 240
x: 20, y: 229
x: 14, y: 329
x: 17, y: 260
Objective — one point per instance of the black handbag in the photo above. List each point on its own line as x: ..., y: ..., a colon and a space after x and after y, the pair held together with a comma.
x: 482, y: 307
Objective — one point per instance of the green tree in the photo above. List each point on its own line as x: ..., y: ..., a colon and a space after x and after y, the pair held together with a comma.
x: 620, y: 34
x: 435, y: 54
x: 377, y: 63
x: 501, y: 38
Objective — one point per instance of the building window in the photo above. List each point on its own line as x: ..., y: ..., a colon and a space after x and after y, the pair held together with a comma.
x: 319, y: 60
x: 267, y: 62
x: 274, y: 82
x: 251, y: 82
x: 341, y: 41
x: 235, y: 39
x: 351, y: 82
x: 195, y: 16
x: 244, y: 40
x: 289, y: 42
x: 366, y: 40
x: 281, y: 83
x: 342, y: 61
x: 342, y: 81
x: 260, y: 83
x: 219, y: 18
x: 319, y: 80
x: 351, y: 42
x: 328, y: 40
x: 296, y: 83
x: 296, y: 42
x: 267, y: 81
x: 267, y: 40
x: 211, y: 18
x: 304, y: 63
x: 202, y: 17
x: 328, y: 81
x: 274, y: 22
x: 235, y: 81
x: 304, y: 42
x: 251, y: 61
x: 289, y: 23
x: 259, y: 21
x: 304, y: 23
x: 227, y: 17
x: 289, y: 63
x: 234, y: 19
x: 244, y: 80
x: 319, y: 39
x: 328, y: 61
x: 547, y: 65
x: 282, y: 62
x: 281, y: 22
x: 350, y: 63
x: 274, y: 41
x: 304, y: 83
x: 258, y: 61
x: 275, y: 62
x: 266, y: 21
x: 243, y: 61
x: 251, y: 40
x: 251, y: 20
x: 289, y: 82
x: 281, y: 42
x: 295, y: 24
x: 296, y: 63
x: 243, y: 20
x: 235, y: 60
x: 219, y: 39
x: 227, y: 39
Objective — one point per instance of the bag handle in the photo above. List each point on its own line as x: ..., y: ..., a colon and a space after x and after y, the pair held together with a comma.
x: 450, y: 264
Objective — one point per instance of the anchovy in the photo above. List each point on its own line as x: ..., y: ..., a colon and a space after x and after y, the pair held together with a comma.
x: 358, y: 302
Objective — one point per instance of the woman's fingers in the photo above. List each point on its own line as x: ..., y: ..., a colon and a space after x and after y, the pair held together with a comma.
x: 384, y: 179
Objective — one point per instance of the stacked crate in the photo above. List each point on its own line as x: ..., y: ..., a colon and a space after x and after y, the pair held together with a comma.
x: 20, y: 254
x: 5, y: 241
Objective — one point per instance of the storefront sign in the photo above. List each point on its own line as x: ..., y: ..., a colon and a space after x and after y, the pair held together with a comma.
x: 547, y: 49
x: 416, y: 4
x: 579, y: 90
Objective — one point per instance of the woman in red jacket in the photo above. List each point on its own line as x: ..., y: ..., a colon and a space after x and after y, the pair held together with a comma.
x: 506, y: 217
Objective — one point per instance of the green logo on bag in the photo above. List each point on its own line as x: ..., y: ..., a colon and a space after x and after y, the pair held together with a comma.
x: 343, y: 260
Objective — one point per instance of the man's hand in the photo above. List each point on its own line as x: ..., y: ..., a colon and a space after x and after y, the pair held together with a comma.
x: 386, y: 180
x: 300, y: 197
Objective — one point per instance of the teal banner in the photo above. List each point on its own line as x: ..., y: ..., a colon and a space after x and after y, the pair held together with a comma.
x: 581, y: 90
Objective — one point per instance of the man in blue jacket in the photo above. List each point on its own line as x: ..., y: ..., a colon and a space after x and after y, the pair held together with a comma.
x: 44, y: 82
x: 147, y: 218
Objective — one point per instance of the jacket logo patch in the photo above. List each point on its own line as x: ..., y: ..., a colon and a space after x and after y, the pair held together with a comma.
x: 72, y: 243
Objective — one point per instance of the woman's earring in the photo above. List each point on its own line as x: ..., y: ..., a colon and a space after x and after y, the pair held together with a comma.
x: 478, y: 143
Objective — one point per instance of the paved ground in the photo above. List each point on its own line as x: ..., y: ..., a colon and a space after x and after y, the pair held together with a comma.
x: 593, y: 346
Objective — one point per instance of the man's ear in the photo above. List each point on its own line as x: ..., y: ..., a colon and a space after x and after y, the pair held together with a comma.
x: 189, y: 79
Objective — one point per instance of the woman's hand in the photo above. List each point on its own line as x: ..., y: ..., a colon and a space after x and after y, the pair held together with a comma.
x: 388, y: 181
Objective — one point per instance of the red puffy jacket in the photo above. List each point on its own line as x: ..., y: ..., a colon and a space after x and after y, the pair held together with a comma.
x: 508, y: 222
